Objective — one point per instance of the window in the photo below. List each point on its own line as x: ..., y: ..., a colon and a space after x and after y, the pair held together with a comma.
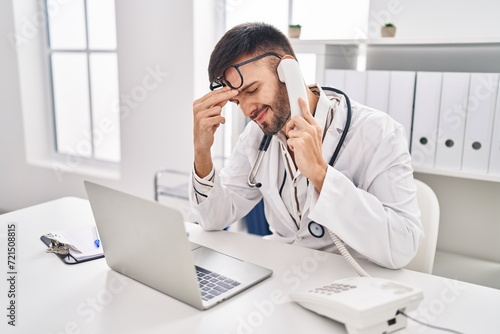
x: 84, y: 79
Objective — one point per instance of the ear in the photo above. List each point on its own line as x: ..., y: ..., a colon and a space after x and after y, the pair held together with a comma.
x: 287, y: 57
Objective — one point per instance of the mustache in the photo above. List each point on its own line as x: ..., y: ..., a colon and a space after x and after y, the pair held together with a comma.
x: 257, y: 111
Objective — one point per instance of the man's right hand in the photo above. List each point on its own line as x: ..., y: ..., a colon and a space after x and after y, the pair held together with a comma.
x: 207, y: 118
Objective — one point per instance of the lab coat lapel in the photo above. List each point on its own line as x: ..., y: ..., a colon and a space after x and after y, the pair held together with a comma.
x: 336, y: 129
x: 273, y: 190
x: 332, y: 136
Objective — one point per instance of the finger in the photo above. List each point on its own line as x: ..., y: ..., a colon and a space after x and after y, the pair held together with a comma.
x: 290, y: 125
x: 308, y: 120
x: 300, y: 122
x: 210, y: 93
x: 231, y: 94
x: 211, y: 124
x: 209, y: 118
x: 305, y: 109
x: 294, y: 143
x: 215, y: 98
x: 293, y: 132
x: 212, y: 111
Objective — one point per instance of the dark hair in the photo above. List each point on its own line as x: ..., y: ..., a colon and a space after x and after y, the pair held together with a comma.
x: 246, y: 39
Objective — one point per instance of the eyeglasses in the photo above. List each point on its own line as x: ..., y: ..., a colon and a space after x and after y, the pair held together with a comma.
x: 234, y: 71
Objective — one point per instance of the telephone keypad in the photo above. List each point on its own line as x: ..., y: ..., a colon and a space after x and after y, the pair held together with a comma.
x: 333, y: 288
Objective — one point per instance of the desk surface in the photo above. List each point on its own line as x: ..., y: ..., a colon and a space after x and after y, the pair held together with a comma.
x: 54, y: 298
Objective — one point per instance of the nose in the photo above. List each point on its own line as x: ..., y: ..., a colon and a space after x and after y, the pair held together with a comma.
x: 246, y: 108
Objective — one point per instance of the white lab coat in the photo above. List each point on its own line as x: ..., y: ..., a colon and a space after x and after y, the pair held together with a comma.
x: 368, y: 199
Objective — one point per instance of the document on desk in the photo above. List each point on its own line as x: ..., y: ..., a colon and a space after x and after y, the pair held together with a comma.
x: 83, y: 242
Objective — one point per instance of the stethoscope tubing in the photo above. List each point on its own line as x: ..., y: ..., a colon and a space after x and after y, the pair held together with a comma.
x: 264, y: 144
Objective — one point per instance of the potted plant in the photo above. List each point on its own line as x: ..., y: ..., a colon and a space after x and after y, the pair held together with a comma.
x: 294, y: 30
x: 388, y: 30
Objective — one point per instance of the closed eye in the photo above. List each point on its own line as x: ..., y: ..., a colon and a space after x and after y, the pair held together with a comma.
x: 250, y: 88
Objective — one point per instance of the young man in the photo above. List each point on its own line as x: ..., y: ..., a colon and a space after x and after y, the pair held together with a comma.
x: 368, y: 199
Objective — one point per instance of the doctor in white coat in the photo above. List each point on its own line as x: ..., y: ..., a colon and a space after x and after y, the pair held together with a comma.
x: 368, y: 198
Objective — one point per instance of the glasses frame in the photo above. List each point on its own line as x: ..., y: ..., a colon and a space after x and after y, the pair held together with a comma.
x: 222, y: 81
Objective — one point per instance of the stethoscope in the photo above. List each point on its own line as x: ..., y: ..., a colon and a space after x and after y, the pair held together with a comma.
x: 315, y: 229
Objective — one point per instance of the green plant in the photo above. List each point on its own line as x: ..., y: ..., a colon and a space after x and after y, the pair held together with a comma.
x: 389, y: 25
x: 294, y: 26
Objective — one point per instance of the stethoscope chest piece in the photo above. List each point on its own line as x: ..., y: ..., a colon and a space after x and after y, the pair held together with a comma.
x: 316, y: 229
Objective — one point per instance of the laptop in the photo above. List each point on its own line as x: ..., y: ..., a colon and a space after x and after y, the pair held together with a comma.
x: 147, y: 242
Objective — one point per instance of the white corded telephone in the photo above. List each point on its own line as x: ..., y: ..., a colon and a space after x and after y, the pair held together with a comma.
x: 366, y: 305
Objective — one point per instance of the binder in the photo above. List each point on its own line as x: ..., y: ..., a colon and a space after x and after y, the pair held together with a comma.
x: 479, y: 122
x: 494, y: 166
x: 377, y: 89
x: 355, y: 85
x: 425, y: 118
x: 452, y: 117
x: 401, y: 95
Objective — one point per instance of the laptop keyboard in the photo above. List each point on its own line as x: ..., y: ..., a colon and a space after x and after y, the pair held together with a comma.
x: 213, y: 284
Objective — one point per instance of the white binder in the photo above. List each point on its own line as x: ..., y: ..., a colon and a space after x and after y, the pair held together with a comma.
x: 479, y: 124
x: 377, y: 89
x: 355, y: 85
x: 425, y: 118
x: 494, y: 167
x: 452, y: 116
x: 402, y: 89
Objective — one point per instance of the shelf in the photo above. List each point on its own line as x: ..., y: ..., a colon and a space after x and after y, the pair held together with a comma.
x: 398, y: 41
x: 468, y: 55
x: 458, y: 174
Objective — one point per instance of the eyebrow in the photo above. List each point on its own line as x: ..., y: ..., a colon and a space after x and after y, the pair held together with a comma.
x: 243, y: 89
x: 247, y: 86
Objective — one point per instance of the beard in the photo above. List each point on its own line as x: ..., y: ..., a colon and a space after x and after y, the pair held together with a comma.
x: 281, y: 111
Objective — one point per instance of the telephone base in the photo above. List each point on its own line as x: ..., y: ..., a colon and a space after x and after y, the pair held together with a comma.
x: 388, y: 326
x: 366, y: 305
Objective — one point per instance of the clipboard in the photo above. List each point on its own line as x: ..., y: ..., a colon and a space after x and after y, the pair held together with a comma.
x: 78, y: 237
x: 68, y: 259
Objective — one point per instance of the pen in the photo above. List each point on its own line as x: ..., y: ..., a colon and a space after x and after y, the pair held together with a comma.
x: 97, y: 242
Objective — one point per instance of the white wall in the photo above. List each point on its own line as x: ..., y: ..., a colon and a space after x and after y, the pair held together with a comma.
x: 153, y: 35
x: 436, y: 19
x: 208, y: 23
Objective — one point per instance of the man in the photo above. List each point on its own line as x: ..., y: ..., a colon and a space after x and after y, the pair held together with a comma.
x: 368, y: 199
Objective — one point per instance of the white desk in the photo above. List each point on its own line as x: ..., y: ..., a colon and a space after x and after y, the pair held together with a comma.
x: 55, y: 298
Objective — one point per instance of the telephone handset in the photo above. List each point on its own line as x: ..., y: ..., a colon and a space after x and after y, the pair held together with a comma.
x: 289, y: 73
